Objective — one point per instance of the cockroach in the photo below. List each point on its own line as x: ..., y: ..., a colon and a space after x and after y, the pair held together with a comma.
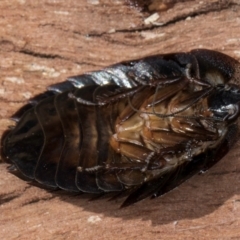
x: 141, y: 127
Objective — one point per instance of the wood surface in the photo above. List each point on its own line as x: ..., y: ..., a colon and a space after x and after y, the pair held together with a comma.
x: 44, y: 42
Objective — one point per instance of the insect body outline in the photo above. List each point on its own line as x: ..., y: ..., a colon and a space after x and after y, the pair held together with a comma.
x: 143, y: 126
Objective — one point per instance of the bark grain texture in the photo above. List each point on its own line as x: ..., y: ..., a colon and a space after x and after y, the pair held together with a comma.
x: 44, y: 42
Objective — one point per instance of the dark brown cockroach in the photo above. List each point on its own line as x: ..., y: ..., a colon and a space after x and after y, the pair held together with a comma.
x: 143, y: 126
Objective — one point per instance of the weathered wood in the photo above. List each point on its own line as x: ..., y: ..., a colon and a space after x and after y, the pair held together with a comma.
x: 43, y: 42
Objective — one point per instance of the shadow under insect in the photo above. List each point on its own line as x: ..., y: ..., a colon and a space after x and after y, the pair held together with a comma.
x: 139, y: 128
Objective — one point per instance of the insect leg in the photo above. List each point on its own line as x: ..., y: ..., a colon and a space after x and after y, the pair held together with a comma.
x: 108, y: 96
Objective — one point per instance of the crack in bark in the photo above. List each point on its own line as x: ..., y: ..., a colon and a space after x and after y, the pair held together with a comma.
x: 212, y: 7
x: 8, y: 197
x: 36, y: 200
x: 40, y: 55
x: 223, y: 173
x: 53, y: 56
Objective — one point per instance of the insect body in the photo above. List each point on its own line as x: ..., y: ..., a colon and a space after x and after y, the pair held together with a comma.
x: 143, y: 126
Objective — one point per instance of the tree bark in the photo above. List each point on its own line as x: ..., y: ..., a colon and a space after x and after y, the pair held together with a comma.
x: 44, y: 42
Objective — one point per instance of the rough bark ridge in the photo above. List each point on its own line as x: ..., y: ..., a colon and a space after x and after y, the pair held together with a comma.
x: 43, y: 42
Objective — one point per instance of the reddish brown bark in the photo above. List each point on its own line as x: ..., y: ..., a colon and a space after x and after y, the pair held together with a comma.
x: 44, y: 42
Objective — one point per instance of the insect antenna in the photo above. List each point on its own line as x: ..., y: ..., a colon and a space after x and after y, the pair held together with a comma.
x: 181, y: 110
x: 106, y: 99
x: 83, y: 101
x: 174, y: 114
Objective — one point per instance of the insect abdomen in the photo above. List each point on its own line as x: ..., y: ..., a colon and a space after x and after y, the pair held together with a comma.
x: 58, y: 135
